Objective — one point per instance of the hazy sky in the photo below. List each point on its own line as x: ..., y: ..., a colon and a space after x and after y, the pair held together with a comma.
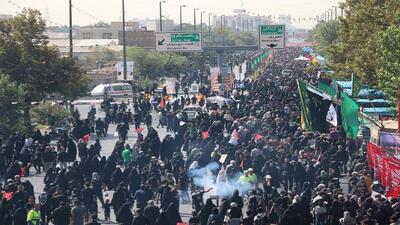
x: 110, y: 10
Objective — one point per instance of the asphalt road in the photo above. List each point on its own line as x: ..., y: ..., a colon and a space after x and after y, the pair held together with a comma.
x: 107, y: 147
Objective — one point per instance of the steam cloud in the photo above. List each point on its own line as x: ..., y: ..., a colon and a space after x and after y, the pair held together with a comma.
x: 206, y: 177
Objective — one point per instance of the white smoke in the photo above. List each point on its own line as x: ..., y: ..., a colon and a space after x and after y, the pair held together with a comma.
x: 223, y: 188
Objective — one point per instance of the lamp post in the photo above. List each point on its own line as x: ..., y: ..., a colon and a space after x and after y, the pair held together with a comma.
x: 180, y: 15
x: 335, y: 7
x: 71, y: 51
x: 201, y: 20
x: 161, y: 15
x: 209, y: 24
x: 124, y: 38
x: 194, y: 18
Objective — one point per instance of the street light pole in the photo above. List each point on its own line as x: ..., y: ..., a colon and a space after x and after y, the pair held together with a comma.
x: 331, y: 14
x: 161, y: 15
x: 201, y: 21
x: 180, y: 13
x: 194, y: 18
x: 209, y: 24
x: 335, y: 12
x: 71, y: 52
x: 124, y: 38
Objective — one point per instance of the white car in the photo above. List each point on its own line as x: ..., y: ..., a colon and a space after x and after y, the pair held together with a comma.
x: 115, y: 89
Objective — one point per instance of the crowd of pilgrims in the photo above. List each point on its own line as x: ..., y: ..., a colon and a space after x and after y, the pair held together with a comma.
x: 293, y: 174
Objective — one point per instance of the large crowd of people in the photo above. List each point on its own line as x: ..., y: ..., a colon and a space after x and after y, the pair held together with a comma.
x: 248, y: 162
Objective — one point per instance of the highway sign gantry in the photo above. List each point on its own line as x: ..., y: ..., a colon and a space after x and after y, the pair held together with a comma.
x: 178, y: 42
x: 271, y: 37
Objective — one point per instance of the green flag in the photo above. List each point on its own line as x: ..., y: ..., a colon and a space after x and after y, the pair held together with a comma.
x: 327, y: 89
x: 305, y: 113
x: 314, y: 108
x: 349, y: 111
x: 355, y: 86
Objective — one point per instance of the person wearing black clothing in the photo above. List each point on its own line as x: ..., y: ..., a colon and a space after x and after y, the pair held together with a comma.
x: 89, y: 198
x: 19, y: 216
x: 205, y: 212
x: 214, y: 218
x: 93, y: 221
x: 122, y: 130
x: 20, y: 195
x: 151, y: 212
x: 124, y: 215
x: 173, y: 214
x: 139, y: 219
x: 60, y: 215
x: 162, y: 219
x: 237, y: 199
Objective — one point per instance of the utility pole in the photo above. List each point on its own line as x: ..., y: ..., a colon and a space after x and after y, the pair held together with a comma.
x: 71, y: 51
x: 335, y: 12
x: 331, y: 14
x: 209, y: 24
x: 124, y: 38
x: 194, y: 18
x: 161, y: 15
x: 341, y: 11
x: 201, y: 21
x: 180, y: 18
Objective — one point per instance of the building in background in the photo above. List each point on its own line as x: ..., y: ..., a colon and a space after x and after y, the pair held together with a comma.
x: 241, y: 21
x: 5, y: 16
x: 106, y: 32
x: 154, y: 25
x: 143, y: 39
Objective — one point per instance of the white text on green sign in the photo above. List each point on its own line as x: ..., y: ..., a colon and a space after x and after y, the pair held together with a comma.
x: 185, y: 37
x: 270, y: 30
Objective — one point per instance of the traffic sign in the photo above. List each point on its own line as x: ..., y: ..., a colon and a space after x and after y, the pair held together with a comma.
x: 271, y: 36
x: 178, y: 42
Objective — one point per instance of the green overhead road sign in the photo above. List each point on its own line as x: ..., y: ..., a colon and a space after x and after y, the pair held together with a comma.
x: 271, y: 36
x: 178, y: 42
x: 269, y: 30
x: 185, y: 37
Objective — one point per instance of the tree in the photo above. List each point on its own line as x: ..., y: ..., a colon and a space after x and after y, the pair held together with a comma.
x: 10, y: 107
x: 325, y: 34
x: 152, y: 65
x: 34, y: 65
x: 388, y: 55
x: 358, y: 32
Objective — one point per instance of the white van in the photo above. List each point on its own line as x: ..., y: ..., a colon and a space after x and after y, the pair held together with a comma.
x: 116, y: 89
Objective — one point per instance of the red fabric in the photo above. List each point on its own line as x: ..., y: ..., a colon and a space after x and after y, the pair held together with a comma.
x: 204, y: 135
x: 386, y: 169
x: 8, y: 195
x: 162, y: 103
x: 139, y: 130
x: 86, y: 138
x: 258, y: 137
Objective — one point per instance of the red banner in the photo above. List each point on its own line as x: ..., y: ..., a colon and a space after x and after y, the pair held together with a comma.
x: 386, y: 169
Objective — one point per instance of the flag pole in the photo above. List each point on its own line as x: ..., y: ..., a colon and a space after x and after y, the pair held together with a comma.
x: 398, y: 115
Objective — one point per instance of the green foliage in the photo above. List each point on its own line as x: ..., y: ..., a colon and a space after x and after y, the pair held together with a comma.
x: 150, y: 64
x: 358, y: 33
x: 326, y: 35
x: 103, y: 54
x: 48, y: 114
x: 388, y: 56
x: 34, y: 65
x: 10, y: 106
x: 229, y: 37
